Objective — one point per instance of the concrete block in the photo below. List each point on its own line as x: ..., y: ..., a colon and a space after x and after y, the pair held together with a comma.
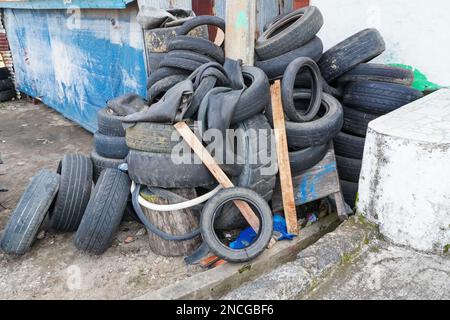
x: 405, y: 178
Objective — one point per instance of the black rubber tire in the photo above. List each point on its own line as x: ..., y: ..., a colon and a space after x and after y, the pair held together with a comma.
x: 361, y: 47
x: 349, y: 169
x: 305, y: 159
x: 356, y: 122
x: 317, y: 132
x: 378, y: 72
x: 255, y: 97
x: 206, y: 85
x: 104, y: 212
x: 153, y: 137
x: 350, y: 192
x: 7, y: 95
x: 30, y: 212
x: 158, y: 170
x: 195, y: 22
x: 162, y: 73
x: 153, y: 61
x: 189, y: 55
x: 180, y: 63
x: 253, y: 149
x: 198, y: 45
x: 349, y: 146
x: 4, y: 73
x: 110, y: 147
x: 74, y: 192
x: 287, y: 90
x: 290, y: 32
x: 157, y: 91
x: 213, y: 208
x: 6, y: 84
x: 275, y: 68
x: 109, y: 124
x: 378, y: 97
x: 101, y: 163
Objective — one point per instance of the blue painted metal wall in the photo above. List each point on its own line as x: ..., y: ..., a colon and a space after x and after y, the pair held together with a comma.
x: 60, y: 4
x: 75, y: 65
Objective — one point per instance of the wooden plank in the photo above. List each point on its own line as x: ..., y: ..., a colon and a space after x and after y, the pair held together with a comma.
x: 215, y: 283
x: 240, y: 30
x: 192, y: 140
x: 318, y: 182
x: 284, y: 166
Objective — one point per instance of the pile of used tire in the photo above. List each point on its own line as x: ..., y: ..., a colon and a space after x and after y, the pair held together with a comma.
x: 365, y: 90
x: 7, y: 91
x: 186, y: 51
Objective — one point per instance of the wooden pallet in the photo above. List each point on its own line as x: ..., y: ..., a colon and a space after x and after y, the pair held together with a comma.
x: 316, y: 183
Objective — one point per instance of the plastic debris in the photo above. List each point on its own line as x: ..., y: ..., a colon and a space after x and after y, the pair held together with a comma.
x: 248, y: 235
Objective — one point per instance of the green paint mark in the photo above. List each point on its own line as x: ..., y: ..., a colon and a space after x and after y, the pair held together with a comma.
x: 421, y: 81
x: 242, y: 20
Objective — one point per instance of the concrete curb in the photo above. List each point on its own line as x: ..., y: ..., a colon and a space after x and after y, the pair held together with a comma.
x: 295, y: 279
x: 217, y: 282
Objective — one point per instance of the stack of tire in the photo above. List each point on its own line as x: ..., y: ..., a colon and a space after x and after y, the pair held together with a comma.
x: 109, y: 141
x: 7, y: 91
x: 367, y: 91
x: 289, y: 46
x: 185, y: 53
x: 288, y: 37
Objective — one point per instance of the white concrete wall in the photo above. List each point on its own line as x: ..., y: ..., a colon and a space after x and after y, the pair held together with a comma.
x: 416, y: 32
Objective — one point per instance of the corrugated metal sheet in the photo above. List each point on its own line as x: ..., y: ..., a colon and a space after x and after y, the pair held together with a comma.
x: 60, y: 4
x: 76, y: 68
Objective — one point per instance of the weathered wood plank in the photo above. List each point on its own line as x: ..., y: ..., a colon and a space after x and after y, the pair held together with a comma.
x: 319, y: 182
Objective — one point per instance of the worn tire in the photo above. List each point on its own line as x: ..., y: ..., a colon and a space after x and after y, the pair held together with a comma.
x: 317, y: 132
x: 189, y: 55
x: 163, y: 73
x: 4, y: 73
x: 349, y: 169
x: 104, y: 212
x: 198, y: 45
x: 252, y: 149
x: 153, y: 61
x: 6, y: 84
x: 158, y: 170
x: 101, y: 163
x: 255, y: 97
x: 159, y: 89
x: 361, y: 47
x: 110, y: 147
x: 180, y: 63
x: 29, y: 214
x: 275, y: 67
x: 110, y: 124
x: 356, y: 122
x: 206, y: 85
x: 74, y: 192
x: 287, y: 90
x: 7, y: 95
x: 378, y: 97
x: 195, y: 22
x: 153, y: 137
x: 350, y: 192
x: 378, y: 72
x: 212, y: 209
x: 290, y: 32
x: 305, y: 159
x: 349, y: 146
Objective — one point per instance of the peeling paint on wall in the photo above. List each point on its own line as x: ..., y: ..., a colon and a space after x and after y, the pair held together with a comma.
x: 76, y: 70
